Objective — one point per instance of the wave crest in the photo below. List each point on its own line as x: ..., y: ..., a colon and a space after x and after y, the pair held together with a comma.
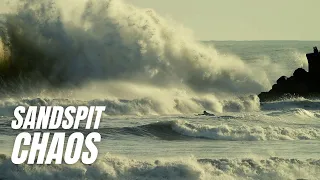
x: 141, y: 106
x: 171, y: 130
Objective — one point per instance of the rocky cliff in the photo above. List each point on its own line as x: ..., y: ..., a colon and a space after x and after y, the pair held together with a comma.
x: 301, y: 84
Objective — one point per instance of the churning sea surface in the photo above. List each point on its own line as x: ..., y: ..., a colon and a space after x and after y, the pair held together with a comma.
x: 275, y: 140
x: 153, y: 77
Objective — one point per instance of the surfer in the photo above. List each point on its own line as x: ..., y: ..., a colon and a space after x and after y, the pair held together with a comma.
x: 205, y: 113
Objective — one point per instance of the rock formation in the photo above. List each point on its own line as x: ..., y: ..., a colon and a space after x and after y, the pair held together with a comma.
x: 301, y: 84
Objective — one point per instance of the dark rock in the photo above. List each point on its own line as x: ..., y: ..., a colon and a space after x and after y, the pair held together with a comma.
x: 301, y: 84
x: 276, y: 88
x: 282, y: 80
x: 300, y: 72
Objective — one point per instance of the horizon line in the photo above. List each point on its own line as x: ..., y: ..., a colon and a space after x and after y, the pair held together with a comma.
x: 264, y: 40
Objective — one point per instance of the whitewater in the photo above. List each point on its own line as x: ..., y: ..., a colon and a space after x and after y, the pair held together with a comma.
x: 153, y: 76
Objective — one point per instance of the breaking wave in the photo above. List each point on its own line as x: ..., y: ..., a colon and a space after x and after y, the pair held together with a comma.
x: 100, y: 47
x: 142, y: 106
x: 115, y: 167
x: 108, y: 48
x: 111, y: 40
x: 301, y: 103
x: 172, y: 130
x: 301, y: 114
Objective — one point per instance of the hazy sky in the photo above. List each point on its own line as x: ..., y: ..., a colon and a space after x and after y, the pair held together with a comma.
x: 243, y: 19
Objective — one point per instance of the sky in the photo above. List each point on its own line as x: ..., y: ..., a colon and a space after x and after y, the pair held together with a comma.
x: 242, y: 19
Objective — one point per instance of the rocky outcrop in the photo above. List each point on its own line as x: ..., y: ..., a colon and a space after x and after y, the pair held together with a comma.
x: 301, y: 84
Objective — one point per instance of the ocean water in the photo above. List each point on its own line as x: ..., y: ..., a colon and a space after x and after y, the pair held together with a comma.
x: 153, y: 77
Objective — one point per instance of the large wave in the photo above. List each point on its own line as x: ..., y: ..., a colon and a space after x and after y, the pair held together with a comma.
x: 115, y: 167
x: 114, y: 40
x: 108, y: 48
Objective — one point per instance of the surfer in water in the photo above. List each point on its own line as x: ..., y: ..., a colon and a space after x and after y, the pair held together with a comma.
x: 205, y: 113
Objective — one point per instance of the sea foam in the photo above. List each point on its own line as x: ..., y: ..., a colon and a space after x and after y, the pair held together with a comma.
x: 122, y: 168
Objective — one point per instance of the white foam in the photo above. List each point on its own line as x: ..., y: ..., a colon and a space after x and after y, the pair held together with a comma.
x: 116, y: 42
x: 121, y: 168
x: 244, y: 132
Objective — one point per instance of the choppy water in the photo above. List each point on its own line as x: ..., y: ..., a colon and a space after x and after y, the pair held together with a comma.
x: 153, y: 78
x: 273, y: 143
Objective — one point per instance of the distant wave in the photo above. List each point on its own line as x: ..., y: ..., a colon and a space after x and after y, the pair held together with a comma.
x: 184, y: 130
x: 173, y: 130
x: 311, y: 104
x: 121, y: 168
x: 141, y: 106
x: 302, y: 114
